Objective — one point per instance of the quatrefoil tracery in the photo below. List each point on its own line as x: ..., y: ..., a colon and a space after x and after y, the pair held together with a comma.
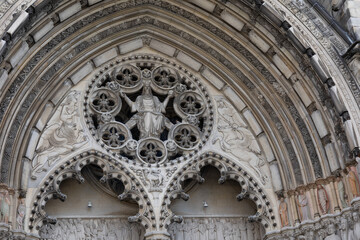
x: 151, y: 113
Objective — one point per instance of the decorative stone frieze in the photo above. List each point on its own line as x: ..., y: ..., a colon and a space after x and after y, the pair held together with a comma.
x: 343, y: 225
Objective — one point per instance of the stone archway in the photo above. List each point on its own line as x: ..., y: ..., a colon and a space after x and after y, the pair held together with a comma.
x: 258, y: 89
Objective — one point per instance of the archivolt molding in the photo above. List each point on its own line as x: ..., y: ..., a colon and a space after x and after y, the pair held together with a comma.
x: 146, y: 181
x: 317, y: 35
x: 293, y: 157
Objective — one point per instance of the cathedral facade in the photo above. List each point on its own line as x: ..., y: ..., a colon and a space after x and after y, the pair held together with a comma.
x: 196, y: 119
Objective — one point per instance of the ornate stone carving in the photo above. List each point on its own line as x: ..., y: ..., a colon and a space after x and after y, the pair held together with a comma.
x: 283, y: 211
x: 323, y: 199
x: 236, y: 139
x: 5, y: 204
x: 95, y: 228
x: 110, y: 168
x: 342, y: 192
x: 20, y: 216
x: 228, y: 170
x: 148, y: 112
x: 63, y: 134
x: 353, y: 181
x: 303, y: 205
x: 215, y: 228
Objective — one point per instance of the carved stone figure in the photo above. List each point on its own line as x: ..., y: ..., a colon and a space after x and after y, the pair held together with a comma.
x: 283, y: 212
x: 62, y: 135
x: 211, y: 229
x: 228, y: 232
x: 236, y: 139
x: 5, y: 206
x: 149, y: 118
x: 243, y: 227
x: 353, y: 181
x: 344, y: 228
x: 356, y: 228
x: 202, y: 230
x: 323, y: 199
x: 331, y: 233
x: 342, y: 193
x: 303, y: 205
x: 194, y: 228
x: 21, y: 210
x: 88, y: 229
x: 155, y: 179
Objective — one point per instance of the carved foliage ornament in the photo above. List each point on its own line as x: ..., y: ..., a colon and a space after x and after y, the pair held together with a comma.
x: 148, y: 112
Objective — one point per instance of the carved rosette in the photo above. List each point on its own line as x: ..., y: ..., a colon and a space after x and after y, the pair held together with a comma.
x: 148, y: 111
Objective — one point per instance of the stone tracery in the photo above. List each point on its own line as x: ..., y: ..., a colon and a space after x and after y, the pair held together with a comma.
x: 154, y: 153
x: 124, y: 108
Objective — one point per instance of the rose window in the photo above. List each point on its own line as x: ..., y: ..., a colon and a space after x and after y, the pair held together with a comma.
x: 148, y: 112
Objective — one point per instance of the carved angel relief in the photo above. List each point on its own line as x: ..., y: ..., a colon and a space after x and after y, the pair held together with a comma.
x: 235, y: 138
x: 62, y: 135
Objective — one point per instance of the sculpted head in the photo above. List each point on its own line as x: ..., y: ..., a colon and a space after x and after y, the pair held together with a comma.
x: 331, y: 229
x: 146, y: 88
x: 343, y: 223
x: 356, y: 216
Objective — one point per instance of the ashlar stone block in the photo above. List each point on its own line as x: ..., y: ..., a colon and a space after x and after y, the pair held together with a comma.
x: 332, y: 157
x: 34, y: 138
x: 258, y: 41
x: 255, y: 126
x: 130, y: 46
x: 319, y: 123
x: 232, y: 20
x: 305, y: 98
x: 234, y: 98
x: 2, y: 46
x: 19, y: 54
x: 189, y: 61
x: 92, y: 2
x: 162, y: 47
x: 69, y: 11
x: 43, y: 30
x: 350, y: 134
x: 81, y: 73
x: 3, y: 77
x: 266, y: 147
x: 104, y: 57
x: 204, y: 4
x: 213, y: 79
x: 44, y: 117
x: 276, y: 178
x: 282, y: 66
x: 18, y: 22
x: 61, y: 91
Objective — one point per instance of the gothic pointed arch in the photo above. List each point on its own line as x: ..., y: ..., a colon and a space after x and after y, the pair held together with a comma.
x: 152, y: 91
